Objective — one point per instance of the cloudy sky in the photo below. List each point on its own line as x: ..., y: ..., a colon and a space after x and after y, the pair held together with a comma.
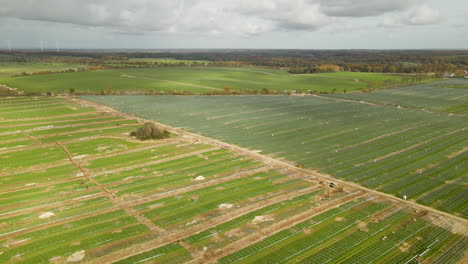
x: 283, y: 24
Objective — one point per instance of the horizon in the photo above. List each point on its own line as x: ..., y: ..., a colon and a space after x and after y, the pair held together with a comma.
x: 53, y: 50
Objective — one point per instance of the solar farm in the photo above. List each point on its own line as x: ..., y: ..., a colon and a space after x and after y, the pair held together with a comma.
x: 409, y: 153
x: 76, y: 188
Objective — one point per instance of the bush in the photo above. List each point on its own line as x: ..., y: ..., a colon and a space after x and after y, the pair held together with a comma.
x: 149, y: 131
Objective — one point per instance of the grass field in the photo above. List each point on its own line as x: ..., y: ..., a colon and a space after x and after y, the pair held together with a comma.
x: 444, y: 96
x: 74, y: 187
x: 403, y: 152
x: 196, y: 80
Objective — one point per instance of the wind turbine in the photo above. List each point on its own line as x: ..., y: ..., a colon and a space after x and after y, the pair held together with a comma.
x: 42, y: 46
x: 57, y: 45
x: 9, y: 45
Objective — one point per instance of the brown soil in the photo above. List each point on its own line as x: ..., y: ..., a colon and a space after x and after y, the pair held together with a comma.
x: 237, y: 232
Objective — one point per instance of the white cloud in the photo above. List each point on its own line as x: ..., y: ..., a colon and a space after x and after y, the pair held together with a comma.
x: 286, y: 14
x: 211, y: 17
x: 363, y: 8
x: 424, y: 15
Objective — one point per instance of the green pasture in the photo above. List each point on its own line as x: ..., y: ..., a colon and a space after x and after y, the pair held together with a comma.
x: 218, y: 78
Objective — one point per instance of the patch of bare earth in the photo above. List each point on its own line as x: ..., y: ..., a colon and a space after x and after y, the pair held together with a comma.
x: 77, y: 256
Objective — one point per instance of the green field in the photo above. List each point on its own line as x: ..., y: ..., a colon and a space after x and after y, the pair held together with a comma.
x: 74, y: 187
x: 404, y: 152
x: 197, y: 80
x: 15, y: 68
x: 168, y: 61
x: 444, y: 96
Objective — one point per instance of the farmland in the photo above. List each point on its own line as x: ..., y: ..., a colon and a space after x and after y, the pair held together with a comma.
x: 407, y: 153
x: 76, y: 188
x: 451, y: 99
x: 197, y: 80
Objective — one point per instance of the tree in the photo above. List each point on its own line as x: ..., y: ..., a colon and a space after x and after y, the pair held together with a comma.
x: 149, y: 131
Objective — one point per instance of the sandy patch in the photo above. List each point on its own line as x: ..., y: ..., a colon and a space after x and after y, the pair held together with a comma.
x: 219, y: 188
x: 56, y: 260
x: 79, y: 157
x: 225, y: 206
x: 128, y: 178
x: 404, y: 247
x: 77, y: 256
x: 79, y: 174
x: 217, y: 238
x: 77, y: 243
x: 262, y: 218
x: 453, y: 225
x: 30, y: 184
x: 340, y: 219
x: 193, y: 222
x: 362, y: 226
x: 155, y: 205
x: 102, y: 148
x: 200, y: 178
x: 46, y: 215
x: 237, y: 232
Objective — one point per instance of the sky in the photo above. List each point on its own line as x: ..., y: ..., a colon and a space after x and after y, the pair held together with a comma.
x: 234, y: 24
